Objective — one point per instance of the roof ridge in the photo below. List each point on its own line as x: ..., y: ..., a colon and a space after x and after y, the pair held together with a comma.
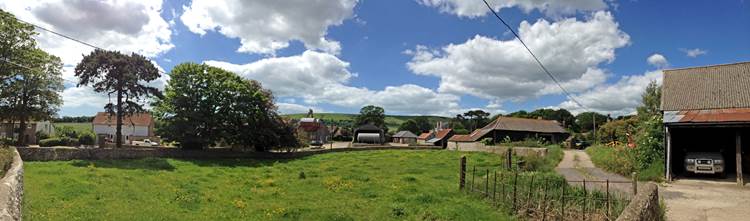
x: 707, y: 66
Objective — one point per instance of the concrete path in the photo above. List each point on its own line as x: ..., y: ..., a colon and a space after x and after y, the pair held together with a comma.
x: 705, y: 200
x: 576, y: 165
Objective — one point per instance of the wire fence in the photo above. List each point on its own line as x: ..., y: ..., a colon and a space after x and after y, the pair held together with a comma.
x: 545, y: 196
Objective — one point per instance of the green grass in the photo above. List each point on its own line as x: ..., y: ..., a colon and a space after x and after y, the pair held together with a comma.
x: 78, y: 127
x: 366, y: 185
x: 392, y: 121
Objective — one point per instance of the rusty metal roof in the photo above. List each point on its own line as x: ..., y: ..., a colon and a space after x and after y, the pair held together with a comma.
x: 709, y: 87
x: 728, y: 115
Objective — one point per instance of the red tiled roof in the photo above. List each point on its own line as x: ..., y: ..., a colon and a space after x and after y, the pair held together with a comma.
x: 442, y: 133
x: 424, y: 136
x: 141, y: 119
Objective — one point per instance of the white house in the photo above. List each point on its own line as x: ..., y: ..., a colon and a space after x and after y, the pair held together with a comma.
x: 136, y: 127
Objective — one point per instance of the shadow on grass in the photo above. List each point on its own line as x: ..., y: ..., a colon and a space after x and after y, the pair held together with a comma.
x: 137, y: 164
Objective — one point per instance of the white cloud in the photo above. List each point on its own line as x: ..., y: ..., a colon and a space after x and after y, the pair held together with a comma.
x: 76, y: 97
x: 551, y: 8
x: 502, y: 70
x: 129, y: 26
x: 620, y: 98
x: 317, y: 77
x: 695, y: 52
x: 266, y: 26
x: 292, y: 108
x: 658, y: 61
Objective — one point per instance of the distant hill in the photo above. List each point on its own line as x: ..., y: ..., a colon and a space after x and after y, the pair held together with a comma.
x: 346, y: 120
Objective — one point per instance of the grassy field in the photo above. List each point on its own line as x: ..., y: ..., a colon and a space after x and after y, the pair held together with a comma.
x: 392, y: 121
x: 78, y: 127
x: 366, y: 185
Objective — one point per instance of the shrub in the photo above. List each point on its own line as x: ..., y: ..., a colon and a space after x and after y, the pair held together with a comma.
x: 66, y: 131
x: 7, y: 141
x: 488, y: 141
x: 58, y: 141
x: 86, y: 138
x: 6, y: 158
x: 41, y: 135
x: 528, y: 142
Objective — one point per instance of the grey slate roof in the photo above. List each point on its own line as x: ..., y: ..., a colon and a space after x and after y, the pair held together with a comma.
x: 404, y: 134
x: 710, y: 87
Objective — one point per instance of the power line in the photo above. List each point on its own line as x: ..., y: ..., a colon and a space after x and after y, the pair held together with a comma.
x: 8, y: 61
x: 570, y: 96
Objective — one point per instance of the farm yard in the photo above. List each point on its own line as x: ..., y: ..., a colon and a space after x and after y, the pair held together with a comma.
x: 365, y: 185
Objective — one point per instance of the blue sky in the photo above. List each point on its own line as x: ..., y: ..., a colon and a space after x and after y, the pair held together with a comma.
x: 338, y: 55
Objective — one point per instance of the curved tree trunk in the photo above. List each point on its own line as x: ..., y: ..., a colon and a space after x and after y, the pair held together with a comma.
x: 118, y: 134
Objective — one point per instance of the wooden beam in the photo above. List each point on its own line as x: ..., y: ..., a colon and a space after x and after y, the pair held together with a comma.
x: 669, y: 155
x: 738, y: 148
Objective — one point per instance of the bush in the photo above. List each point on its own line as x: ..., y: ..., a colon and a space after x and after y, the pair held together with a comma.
x: 86, y: 138
x: 488, y: 141
x: 58, y: 141
x: 66, y: 131
x: 547, y: 163
x: 6, y: 158
x: 528, y: 142
x: 6, y: 141
x: 41, y: 135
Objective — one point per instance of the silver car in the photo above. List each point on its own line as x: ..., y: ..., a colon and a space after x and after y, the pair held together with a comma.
x: 705, y: 163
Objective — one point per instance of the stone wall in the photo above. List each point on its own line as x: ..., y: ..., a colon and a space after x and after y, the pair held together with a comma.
x: 11, y: 190
x: 66, y: 153
x: 644, y: 206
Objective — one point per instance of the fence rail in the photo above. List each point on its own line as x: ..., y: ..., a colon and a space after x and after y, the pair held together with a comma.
x: 540, y: 196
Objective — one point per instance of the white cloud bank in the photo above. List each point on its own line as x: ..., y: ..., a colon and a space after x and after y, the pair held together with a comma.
x: 266, y: 26
x: 318, y: 77
x: 620, y: 98
x: 551, y: 8
x: 501, y: 70
x: 695, y: 52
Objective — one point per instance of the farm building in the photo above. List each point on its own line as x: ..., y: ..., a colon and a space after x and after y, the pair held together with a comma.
x: 707, y: 112
x: 405, y: 137
x: 369, y: 133
x: 314, y: 129
x: 424, y: 137
x: 516, y: 129
x: 441, y: 138
x: 135, y: 127
x: 10, y: 130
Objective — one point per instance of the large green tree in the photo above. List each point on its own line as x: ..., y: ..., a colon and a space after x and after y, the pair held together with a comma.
x: 205, y: 105
x: 371, y: 114
x: 16, y: 39
x: 33, y: 94
x: 585, y: 120
x: 120, y: 75
x: 30, y: 78
x: 474, y: 119
x: 411, y: 126
x: 650, y: 102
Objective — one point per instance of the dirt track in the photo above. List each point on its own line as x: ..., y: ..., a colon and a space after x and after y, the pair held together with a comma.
x: 576, y: 165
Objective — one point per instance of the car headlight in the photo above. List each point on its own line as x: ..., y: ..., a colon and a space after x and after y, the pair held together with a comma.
x: 718, y: 161
x: 690, y: 160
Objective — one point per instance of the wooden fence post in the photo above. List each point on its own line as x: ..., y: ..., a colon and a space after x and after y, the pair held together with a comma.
x: 462, y: 172
x: 635, y: 183
x: 473, y: 174
x: 585, y: 195
x: 607, y: 199
x: 508, y: 159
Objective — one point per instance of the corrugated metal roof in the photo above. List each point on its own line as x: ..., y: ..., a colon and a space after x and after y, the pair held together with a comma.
x: 710, y: 87
x: 442, y: 133
x: 729, y: 115
x: 424, y: 136
x: 461, y: 138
